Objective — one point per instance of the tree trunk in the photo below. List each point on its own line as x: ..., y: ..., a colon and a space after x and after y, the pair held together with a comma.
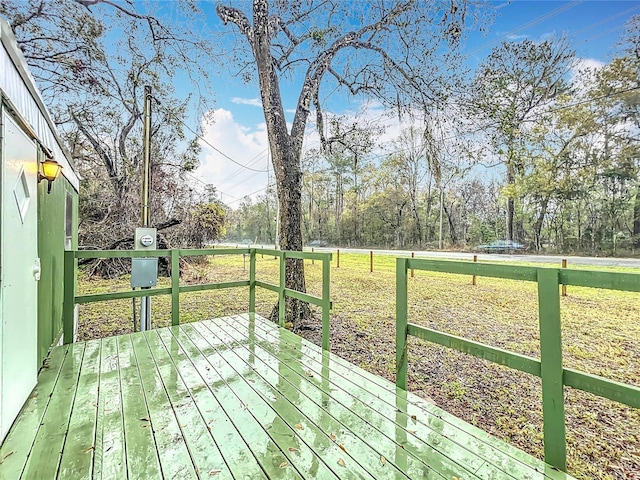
x: 452, y: 227
x: 537, y: 228
x: 285, y: 155
x: 636, y: 219
x: 510, y: 202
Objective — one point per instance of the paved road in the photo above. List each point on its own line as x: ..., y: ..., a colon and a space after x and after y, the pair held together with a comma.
x: 572, y: 260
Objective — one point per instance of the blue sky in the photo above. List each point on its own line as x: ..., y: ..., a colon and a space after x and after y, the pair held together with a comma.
x: 593, y: 28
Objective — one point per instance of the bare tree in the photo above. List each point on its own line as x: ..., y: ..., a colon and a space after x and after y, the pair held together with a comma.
x: 394, y: 51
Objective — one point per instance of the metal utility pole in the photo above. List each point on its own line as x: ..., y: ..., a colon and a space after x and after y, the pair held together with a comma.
x: 146, y: 158
x: 144, y: 271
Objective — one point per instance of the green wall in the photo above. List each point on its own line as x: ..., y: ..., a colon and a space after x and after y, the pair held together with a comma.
x: 51, y: 244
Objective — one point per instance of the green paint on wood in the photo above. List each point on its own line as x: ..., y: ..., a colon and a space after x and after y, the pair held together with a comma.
x: 45, y: 455
x: 51, y: 247
x: 17, y: 445
x: 77, y: 456
x: 234, y: 398
x: 555, y: 449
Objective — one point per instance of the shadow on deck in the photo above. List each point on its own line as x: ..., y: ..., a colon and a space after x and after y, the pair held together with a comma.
x: 234, y: 398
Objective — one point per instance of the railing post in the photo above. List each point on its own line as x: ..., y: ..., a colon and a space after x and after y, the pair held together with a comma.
x: 413, y: 255
x: 564, y: 287
x: 252, y: 284
x: 338, y: 259
x: 401, y: 323
x: 555, y: 448
x: 473, y: 280
x: 68, y: 305
x: 370, y: 261
x: 175, y: 287
x: 326, y: 303
x: 281, y: 287
x: 313, y: 262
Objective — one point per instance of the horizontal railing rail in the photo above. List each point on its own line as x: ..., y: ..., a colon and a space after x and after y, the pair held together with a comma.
x: 549, y: 367
x: 70, y: 282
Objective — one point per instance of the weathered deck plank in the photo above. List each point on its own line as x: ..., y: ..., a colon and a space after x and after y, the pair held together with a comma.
x: 44, y: 457
x: 233, y: 398
x: 141, y: 450
x: 17, y: 446
x: 77, y: 455
x: 429, y: 423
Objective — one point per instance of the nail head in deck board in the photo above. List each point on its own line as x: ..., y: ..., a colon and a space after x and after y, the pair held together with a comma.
x: 252, y: 380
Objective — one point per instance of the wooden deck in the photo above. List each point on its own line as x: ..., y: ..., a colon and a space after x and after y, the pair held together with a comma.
x: 230, y: 398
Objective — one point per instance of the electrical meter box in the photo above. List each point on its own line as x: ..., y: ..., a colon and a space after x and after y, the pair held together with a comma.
x: 144, y: 271
x: 145, y: 239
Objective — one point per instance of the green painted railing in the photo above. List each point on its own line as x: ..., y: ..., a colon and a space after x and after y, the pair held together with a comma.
x: 71, y: 299
x: 549, y: 367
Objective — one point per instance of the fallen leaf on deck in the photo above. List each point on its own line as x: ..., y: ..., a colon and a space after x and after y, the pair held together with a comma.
x: 332, y: 437
x: 413, y: 417
x: 86, y: 450
x: 341, y: 462
x: 412, y: 431
x: 293, y: 449
x: 6, y: 456
x: 299, y: 426
x: 284, y: 464
x: 342, y: 448
x: 309, y: 374
x: 214, y: 472
x: 145, y: 419
x: 382, y: 460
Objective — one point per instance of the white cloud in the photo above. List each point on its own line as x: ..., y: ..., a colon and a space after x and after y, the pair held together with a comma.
x: 515, y: 38
x: 247, y: 146
x: 254, y: 102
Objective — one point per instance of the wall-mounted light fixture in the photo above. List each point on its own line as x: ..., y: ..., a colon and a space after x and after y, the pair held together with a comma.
x: 49, y: 171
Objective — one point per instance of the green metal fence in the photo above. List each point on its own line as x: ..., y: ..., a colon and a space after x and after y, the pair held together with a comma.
x: 71, y: 299
x: 549, y: 367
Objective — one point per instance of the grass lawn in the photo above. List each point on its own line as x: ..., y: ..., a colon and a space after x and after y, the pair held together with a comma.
x: 601, y: 335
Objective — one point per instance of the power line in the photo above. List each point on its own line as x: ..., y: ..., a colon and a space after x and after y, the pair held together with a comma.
x: 527, y: 25
x: 204, y: 140
x: 252, y: 193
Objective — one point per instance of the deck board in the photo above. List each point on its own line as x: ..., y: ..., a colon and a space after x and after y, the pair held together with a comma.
x: 231, y: 398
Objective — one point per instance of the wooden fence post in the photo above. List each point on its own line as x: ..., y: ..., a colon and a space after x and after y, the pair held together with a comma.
x: 401, y: 323
x: 338, y: 259
x: 551, y: 372
x: 475, y: 259
x: 412, y: 256
x: 371, y: 261
x: 564, y: 287
x: 313, y: 262
x: 175, y: 287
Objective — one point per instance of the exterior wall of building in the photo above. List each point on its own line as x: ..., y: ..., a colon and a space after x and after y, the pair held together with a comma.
x: 31, y: 259
x: 53, y: 239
